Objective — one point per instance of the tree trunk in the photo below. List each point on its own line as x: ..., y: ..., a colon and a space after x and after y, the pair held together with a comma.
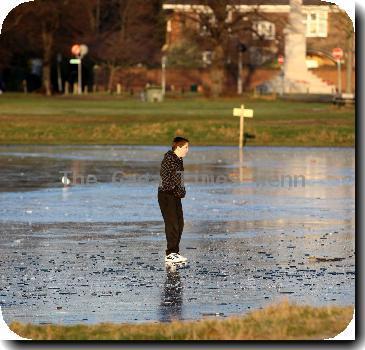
x: 112, y: 70
x: 47, y: 79
x: 217, y: 76
x: 94, y: 17
x: 97, y: 17
x: 217, y: 72
x: 47, y: 38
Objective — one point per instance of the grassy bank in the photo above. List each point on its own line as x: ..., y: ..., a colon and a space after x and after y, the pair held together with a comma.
x: 35, y: 119
x: 280, y: 322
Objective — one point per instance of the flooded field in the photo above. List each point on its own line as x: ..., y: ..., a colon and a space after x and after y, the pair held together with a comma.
x: 260, y: 225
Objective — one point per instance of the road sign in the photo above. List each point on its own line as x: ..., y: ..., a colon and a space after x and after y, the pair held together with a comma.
x: 337, y: 53
x: 75, y: 61
x: 242, y: 113
x: 280, y: 59
x: 83, y: 50
x: 75, y: 49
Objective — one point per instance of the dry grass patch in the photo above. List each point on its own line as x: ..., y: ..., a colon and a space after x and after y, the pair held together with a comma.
x: 278, y: 322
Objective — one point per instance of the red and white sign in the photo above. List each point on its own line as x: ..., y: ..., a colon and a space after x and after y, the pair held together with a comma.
x: 76, y: 50
x: 280, y: 59
x: 337, y: 53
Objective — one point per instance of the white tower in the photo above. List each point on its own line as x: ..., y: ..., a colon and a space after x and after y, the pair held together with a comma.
x: 295, y: 42
x: 297, y: 78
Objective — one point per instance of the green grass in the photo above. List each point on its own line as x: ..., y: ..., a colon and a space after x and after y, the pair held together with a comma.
x: 280, y: 322
x: 35, y: 119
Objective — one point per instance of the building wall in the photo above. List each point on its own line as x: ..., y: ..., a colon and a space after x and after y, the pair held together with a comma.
x: 180, y: 80
x: 336, y: 35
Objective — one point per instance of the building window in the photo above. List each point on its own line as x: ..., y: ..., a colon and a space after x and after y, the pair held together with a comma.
x: 317, y: 24
x: 264, y: 30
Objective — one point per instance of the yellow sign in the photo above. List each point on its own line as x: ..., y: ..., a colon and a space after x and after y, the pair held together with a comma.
x: 242, y: 112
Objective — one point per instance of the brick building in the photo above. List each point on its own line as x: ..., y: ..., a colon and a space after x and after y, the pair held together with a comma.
x: 326, y: 27
x: 265, y: 21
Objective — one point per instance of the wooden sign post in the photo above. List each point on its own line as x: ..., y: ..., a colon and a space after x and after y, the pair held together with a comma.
x: 242, y: 113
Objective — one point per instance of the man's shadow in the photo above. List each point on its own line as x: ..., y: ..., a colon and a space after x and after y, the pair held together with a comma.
x: 171, y: 297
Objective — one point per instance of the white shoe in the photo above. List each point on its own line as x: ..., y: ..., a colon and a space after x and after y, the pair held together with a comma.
x: 175, y: 258
x: 182, y: 257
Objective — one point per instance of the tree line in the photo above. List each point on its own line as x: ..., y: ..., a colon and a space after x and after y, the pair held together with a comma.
x: 125, y: 33
x: 119, y: 33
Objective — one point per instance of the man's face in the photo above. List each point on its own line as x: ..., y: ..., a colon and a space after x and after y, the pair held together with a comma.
x: 183, y: 150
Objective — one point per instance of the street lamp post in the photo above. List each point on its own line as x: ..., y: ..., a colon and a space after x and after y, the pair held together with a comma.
x: 239, y: 78
x: 241, y: 48
x: 79, y: 74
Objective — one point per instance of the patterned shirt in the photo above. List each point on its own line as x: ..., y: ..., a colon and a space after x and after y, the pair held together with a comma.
x: 171, y: 175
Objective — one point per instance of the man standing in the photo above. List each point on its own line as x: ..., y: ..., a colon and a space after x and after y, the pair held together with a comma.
x: 170, y: 192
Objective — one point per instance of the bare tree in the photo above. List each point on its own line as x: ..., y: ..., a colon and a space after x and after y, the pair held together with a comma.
x: 220, y: 27
x: 131, y: 35
x: 119, y: 33
x: 38, y: 23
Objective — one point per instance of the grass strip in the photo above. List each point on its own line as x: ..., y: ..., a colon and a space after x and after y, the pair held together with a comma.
x: 284, y: 321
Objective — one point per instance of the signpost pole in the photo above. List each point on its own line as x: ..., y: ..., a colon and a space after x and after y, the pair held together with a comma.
x: 281, y: 62
x: 79, y: 51
x: 337, y: 53
x: 242, y: 127
x: 339, y: 76
x: 80, y: 76
x: 242, y: 113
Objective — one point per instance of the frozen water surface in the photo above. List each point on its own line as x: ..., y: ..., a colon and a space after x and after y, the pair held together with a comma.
x: 94, y: 251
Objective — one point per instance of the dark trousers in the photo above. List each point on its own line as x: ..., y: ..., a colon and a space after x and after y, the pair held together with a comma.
x: 172, y: 214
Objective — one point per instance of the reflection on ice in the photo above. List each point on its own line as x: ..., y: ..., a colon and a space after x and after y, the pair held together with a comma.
x: 244, y: 186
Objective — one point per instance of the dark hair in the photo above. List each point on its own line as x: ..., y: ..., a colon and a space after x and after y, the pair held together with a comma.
x: 178, y: 141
